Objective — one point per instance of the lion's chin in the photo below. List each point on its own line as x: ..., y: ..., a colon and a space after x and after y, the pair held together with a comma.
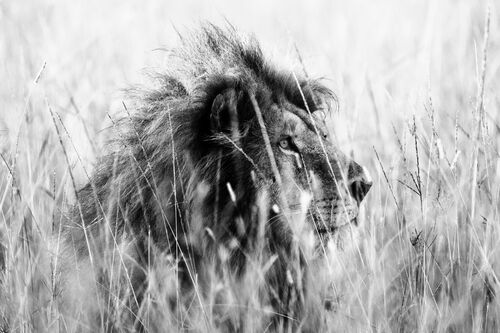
x: 341, y: 238
x: 319, y: 238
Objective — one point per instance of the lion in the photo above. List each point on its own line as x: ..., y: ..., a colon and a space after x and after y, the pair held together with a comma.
x: 219, y: 172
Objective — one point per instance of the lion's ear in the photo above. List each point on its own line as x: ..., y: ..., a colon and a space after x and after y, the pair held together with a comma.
x: 224, y: 114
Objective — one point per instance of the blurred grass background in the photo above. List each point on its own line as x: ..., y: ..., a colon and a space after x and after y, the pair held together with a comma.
x: 409, y: 78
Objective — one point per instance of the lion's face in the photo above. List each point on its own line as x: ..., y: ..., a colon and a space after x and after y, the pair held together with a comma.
x: 320, y: 183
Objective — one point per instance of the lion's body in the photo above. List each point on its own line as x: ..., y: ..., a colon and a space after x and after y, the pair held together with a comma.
x: 194, y: 182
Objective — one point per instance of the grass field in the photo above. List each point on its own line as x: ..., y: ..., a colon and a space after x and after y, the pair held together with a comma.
x: 418, y: 83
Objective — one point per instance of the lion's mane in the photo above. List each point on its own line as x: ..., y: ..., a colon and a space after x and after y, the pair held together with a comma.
x: 171, y: 183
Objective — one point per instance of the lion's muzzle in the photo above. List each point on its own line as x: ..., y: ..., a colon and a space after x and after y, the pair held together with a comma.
x: 341, y: 208
x: 331, y: 214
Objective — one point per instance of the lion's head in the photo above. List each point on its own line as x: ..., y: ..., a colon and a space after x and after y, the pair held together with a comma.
x: 268, y: 131
x: 256, y: 128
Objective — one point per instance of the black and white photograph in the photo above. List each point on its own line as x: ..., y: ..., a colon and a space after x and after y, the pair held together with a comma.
x: 260, y: 166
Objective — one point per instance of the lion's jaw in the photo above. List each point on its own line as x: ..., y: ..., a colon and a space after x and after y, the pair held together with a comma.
x: 320, y: 221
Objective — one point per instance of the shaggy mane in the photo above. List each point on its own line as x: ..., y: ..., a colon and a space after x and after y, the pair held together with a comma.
x: 166, y: 161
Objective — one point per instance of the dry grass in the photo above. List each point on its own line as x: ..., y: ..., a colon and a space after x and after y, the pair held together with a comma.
x: 419, y: 108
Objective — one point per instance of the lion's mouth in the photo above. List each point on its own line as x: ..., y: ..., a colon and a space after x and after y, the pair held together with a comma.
x: 330, y: 217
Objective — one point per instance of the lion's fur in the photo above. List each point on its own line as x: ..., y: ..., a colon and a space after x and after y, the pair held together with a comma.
x: 172, y: 186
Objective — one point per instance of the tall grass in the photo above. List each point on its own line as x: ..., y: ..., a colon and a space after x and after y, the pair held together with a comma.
x: 418, y: 84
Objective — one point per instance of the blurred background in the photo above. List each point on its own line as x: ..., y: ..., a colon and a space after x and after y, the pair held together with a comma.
x: 419, y: 106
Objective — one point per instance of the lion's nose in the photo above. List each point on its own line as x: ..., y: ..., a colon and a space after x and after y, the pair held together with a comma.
x: 360, y: 183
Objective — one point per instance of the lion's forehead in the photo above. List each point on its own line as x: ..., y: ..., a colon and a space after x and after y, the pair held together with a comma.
x: 292, y: 124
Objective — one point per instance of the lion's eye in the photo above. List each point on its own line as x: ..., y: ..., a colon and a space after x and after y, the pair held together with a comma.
x: 285, y: 144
